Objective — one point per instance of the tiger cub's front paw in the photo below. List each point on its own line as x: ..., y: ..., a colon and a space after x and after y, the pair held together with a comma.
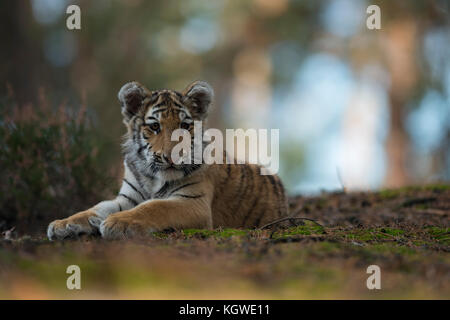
x: 122, y: 225
x: 85, y: 222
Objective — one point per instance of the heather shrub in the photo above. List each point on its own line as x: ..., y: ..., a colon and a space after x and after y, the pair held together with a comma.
x: 49, y: 165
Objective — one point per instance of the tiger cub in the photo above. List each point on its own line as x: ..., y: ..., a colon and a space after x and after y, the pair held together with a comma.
x: 157, y: 194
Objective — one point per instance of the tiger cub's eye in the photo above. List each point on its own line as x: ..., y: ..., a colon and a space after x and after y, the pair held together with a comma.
x: 154, y: 126
x: 185, y: 125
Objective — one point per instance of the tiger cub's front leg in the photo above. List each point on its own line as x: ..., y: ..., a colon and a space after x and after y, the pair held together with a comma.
x: 72, y: 226
x: 88, y: 222
x: 158, y: 215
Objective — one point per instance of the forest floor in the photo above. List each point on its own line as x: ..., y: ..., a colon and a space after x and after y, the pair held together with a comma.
x: 406, y: 232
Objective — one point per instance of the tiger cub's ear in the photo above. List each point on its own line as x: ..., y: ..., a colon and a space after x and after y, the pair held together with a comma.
x: 131, y: 96
x: 198, y: 97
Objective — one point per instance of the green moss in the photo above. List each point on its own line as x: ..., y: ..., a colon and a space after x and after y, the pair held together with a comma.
x: 362, y: 235
x: 389, y: 193
x: 160, y: 235
x: 420, y: 243
x: 390, y: 248
x: 394, y: 193
x: 372, y: 234
x: 218, y: 233
x: 305, y: 230
x: 437, y: 187
x: 442, y: 235
x: 392, y: 231
x: 437, y: 231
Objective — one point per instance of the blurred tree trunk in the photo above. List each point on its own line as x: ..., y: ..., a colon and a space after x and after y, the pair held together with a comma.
x: 400, y: 48
x: 21, y: 49
x: 397, y: 145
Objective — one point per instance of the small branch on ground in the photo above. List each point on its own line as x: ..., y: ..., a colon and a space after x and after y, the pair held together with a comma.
x: 290, y: 219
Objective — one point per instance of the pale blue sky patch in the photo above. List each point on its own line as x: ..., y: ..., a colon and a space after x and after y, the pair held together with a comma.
x: 48, y: 11
x: 426, y: 123
x: 436, y: 48
x: 199, y: 35
x: 344, y: 18
x: 319, y: 95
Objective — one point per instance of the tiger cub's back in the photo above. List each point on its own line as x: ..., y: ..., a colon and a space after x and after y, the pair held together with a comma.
x: 245, y: 198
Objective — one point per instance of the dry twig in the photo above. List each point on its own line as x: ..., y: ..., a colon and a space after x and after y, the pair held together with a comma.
x: 290, y: 219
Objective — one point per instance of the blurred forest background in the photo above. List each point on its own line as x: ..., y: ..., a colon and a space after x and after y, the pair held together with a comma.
x: 356, y: 108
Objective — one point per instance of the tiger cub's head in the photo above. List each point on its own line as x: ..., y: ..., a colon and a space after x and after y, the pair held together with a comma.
x: 152, y: 116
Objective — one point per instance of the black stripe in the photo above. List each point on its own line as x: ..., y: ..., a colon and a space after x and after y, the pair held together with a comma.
x: 136, y: 174
x: 181, y: 187
x: 178, y: 105
x: 188, y: 169
x: 274, y: 184
x: 139, y: 151
x: 263, y: 212
x: 157, y: 106
x: 240, y: 194
x: 163, y: 189
x: 258, y: 220
x: 190, y: 89
x: 129, y: 199
x: 282, y: 198
x: 248, y: 185
x: 135, y: 129
x: 278, y: 189
x: 145, y: 136
x: 251, y: 210
x: 138, y: 141
x: 159, y: 110
x: 133, y: 170
x: 189, y: 196
x: 226, y: 180
x: 141, y: 148
x: 256, y: 198
x: 153, y: 98
x: 134, y: 188
x: 120, y: 207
